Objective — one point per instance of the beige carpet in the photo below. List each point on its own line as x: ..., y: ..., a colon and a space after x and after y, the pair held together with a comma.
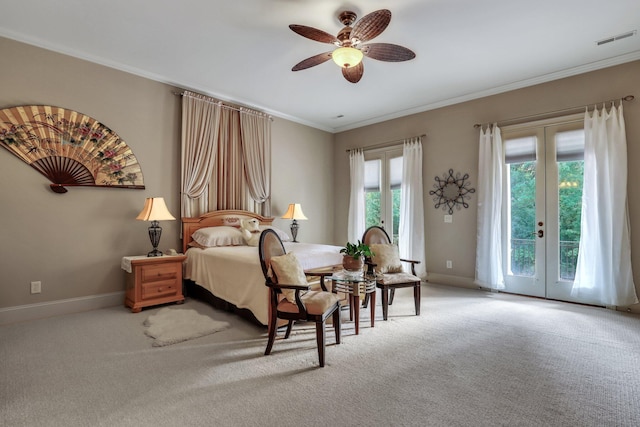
x: 472, y: 359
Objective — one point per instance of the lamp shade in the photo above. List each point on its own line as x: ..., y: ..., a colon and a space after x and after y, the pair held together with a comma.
x: 347, y: 57
x: 294, y: 212
x: 155, y: 210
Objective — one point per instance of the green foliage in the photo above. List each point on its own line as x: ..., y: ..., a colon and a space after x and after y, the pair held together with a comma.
x: 396, y: 214
x: 523, y: 198
x: 570, y: 199
x: 372, y: 208
x: 373, y: 212
x: 357, y: 250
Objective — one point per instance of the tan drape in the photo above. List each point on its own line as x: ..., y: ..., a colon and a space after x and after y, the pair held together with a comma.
x: 226, y: 157
x: 228, y: 189
x: 256, y: 147
x: 200, y: 125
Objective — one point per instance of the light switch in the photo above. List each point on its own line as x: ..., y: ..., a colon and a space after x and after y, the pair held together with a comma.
x: 448, y: 218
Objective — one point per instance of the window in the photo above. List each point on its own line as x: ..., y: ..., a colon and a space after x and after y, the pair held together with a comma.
x: 383, y: 182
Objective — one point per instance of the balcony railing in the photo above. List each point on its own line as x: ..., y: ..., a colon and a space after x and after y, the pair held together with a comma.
x: 523, y: 258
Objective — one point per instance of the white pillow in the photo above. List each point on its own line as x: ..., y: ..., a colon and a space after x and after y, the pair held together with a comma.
x: 218, y: 236
x: 281, y: 234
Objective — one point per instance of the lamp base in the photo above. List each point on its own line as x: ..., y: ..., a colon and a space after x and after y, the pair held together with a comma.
x: 155, y: 252
x: 294, y: 230
x: 155, y: 231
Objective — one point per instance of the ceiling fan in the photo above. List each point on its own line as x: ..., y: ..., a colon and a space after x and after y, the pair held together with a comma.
x: 351, y: 50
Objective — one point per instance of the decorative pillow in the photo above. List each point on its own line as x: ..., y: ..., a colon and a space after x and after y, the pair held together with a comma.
x: 281, y: 234
x: 288, y: 270
x: 386, y: 258
x: 250, y: 231
x: 250, y: 224
x: 218, y: 236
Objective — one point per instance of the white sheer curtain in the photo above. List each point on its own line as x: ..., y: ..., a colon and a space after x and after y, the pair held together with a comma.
x: 356, y: 224
x: 603, y: 273
x: 200, y: 127
x: 489, y: 273
x: 411, y: 228
x: 256, y: 144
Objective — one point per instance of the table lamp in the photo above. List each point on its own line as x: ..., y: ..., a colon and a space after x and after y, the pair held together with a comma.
x: 294, y: 212
x: 155, y: 210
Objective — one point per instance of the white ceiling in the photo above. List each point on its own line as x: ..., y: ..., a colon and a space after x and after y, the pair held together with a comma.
x: 242, y: 51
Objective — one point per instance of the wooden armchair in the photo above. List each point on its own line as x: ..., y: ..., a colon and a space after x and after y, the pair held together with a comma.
x: 291, y: 297
x: 389, y: 279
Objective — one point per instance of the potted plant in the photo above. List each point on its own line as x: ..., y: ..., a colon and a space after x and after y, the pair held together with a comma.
x: 354, y: 254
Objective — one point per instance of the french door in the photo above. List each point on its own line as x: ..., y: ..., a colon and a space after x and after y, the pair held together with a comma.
x: 383, y: 181
x: 542, y: 205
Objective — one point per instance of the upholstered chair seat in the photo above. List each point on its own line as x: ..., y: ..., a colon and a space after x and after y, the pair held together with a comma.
x: 396, y: 278
x: 315, y: 302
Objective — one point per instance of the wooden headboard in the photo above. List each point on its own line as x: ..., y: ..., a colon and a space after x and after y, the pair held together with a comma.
x: 215, y: 219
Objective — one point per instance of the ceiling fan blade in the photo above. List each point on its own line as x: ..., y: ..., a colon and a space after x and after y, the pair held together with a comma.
x: 314, y: 34
x: 312, y: 61
x: 371, y: 25
x: 353, y: 74
x: 387, y: 52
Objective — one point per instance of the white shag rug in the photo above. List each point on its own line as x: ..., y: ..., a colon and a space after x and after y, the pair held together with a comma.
x: 173, y: 325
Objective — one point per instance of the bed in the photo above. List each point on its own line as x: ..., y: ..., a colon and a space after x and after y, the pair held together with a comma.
x: 228, y: 274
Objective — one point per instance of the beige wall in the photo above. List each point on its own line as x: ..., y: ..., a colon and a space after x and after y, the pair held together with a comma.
x: 303, y: 173
x: 74, y: 242
x: 452, y: 142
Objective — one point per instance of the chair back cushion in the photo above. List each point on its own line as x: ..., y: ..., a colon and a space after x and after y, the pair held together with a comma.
x: 287, y: 270
x: 386, y: 258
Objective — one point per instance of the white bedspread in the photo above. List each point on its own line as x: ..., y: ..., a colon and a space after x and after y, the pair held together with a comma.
x: 233, y: 273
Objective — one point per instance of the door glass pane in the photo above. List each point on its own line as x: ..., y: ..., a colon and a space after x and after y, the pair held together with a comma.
x: 372, y: 208
x: 570, y: 152
x: 522, y: 218
x: 395, y: 174
x: 372, y: 172
x: 395, y: 194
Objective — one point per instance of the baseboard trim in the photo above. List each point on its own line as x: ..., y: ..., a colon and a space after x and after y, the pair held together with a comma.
x: 450, y: 280
x: 22, y: 313
x: 468, y: 282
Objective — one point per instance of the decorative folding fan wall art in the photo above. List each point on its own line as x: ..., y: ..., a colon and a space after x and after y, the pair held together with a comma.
x: 69, y: 148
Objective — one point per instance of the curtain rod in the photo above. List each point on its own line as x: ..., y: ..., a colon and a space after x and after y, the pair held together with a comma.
x: 223, y: 105
x: 384, y: 144
x: 551, y: 113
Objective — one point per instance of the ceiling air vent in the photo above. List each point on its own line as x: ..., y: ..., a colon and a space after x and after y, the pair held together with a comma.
x: 616, y: 38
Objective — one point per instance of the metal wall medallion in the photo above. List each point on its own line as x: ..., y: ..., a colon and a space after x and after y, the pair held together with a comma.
x: 452, y: 190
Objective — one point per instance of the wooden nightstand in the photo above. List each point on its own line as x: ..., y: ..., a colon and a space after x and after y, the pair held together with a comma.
x: 152, y: 280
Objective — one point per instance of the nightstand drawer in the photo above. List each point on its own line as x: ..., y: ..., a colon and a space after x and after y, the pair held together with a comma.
x: 155, y: 273
x: 159, y: 289
x: 152, y: 280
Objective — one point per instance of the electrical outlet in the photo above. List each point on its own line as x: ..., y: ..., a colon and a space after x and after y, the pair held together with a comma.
x: 449, y: 264
x: 36, y: 287
x: 448, y: 218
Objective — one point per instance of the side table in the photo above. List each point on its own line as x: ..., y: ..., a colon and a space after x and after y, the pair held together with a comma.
x: 355, y: 287
x: 152, y: 280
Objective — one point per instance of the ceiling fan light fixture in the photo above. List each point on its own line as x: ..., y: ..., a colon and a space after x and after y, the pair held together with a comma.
x: 347, y: 57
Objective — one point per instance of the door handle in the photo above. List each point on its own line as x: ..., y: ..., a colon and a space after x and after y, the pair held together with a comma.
x: 538, y: 233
